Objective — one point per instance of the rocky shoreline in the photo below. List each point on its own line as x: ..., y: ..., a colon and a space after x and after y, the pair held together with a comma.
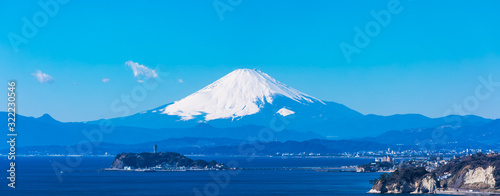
x: 478, y: 174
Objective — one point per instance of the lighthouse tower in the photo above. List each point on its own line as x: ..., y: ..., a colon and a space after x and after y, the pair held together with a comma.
x: 155, y: 148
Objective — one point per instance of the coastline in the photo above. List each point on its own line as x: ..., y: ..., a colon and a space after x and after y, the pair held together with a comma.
x: 464, y: 192
x: 445, y: 192
x: 236, y: 156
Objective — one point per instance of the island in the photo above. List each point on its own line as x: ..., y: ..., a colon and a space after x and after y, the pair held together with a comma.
x: 477, y: 174
x: 162, y: 161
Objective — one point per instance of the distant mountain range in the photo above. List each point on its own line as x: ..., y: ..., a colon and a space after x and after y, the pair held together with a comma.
x: 45, y: 135
x: 246, y: 101
x: 225, y: 146
x: 467, y: 136
x: 251, y: 97
x: 47, y: 131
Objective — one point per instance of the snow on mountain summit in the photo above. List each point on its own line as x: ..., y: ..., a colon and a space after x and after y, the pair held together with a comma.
x: 239, y: 93
x: 285, y: 112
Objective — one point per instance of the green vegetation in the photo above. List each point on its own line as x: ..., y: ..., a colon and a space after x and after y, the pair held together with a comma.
x: 408, y: 174
x: 449, y: 174
x: 145, y: 160
x: 473, y: 161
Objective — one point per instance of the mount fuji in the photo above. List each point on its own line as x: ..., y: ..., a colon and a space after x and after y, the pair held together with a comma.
x: 240, y: 93
x: 249, y: 97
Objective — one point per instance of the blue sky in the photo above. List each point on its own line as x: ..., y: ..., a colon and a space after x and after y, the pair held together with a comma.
x: 426, y: 59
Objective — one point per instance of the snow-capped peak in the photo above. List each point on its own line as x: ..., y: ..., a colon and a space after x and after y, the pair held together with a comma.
x: 239, y: 93
x: 285, y: 112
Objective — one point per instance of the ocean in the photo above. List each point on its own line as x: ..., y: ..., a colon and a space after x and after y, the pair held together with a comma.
x: 37, y: 176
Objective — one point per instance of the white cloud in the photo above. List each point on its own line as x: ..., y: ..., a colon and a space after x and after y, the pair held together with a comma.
x: 181, y: 81
x: 42, y: 77
x: 140, y: 71
x: 105, y: 80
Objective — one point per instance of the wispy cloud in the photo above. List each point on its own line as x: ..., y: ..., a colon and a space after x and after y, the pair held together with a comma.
x: 181, y: 81
x: 140, y: 71
x: 105, y: 80
x: 43, y: 77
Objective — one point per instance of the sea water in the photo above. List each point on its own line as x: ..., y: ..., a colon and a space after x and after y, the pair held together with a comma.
x: 37, y: 176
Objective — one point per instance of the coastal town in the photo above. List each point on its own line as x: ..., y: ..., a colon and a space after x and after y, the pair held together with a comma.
x: 472, y: 174
x: 388, y: 164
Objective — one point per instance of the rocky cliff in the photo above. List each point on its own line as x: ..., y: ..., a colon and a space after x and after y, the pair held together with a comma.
x: 406, y: 180
x: 479, y: 178
x: 478, y: 172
